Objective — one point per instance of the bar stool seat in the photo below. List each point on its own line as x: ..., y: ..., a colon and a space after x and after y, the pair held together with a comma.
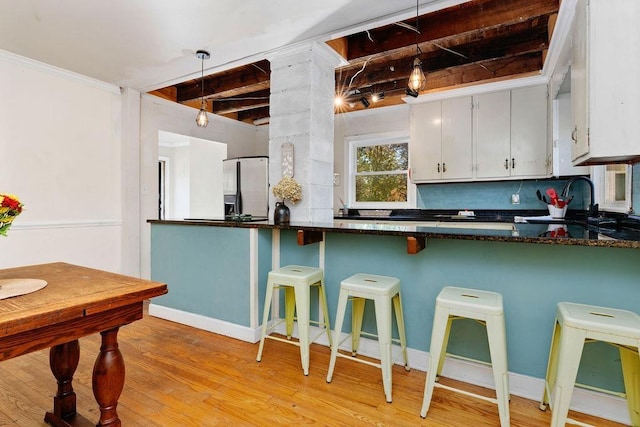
x: 455, y: 303
x: 575, y: 324
x: 297, y: 281
x: 383, y: 291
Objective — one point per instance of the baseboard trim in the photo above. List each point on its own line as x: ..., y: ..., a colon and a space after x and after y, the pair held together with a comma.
x: 210, y: 324
x: 589, y: 402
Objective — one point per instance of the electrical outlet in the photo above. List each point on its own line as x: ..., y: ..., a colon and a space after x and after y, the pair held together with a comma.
x: 515, y: 199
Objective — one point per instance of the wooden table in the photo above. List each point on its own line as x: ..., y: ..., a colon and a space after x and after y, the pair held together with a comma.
x: 77, y: 302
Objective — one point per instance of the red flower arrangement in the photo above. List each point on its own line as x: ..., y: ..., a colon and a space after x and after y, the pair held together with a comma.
x: 10, y: 208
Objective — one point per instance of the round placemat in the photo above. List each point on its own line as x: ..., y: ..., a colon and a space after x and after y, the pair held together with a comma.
x: 14, y: 287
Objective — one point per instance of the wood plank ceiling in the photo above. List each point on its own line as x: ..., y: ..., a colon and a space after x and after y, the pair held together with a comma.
x: 471, y: 43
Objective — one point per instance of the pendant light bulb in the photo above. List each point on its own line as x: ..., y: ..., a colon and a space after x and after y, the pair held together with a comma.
x: 417, y: 79
x: 202, y: 120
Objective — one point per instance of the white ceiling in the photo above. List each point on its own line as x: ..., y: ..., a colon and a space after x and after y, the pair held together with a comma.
x: 148, y: 44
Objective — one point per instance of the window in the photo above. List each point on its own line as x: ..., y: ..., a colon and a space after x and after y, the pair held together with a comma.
x: 613, y: 187
x: 379, y: 177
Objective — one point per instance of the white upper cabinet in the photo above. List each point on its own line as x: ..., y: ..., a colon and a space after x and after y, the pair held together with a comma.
x: 605, y: 88
x: 511, y: 133
x: 492, y: 133
x: 529, y: 131
x: 441, y: 143
x: 457, y: 142
x: 496, y: 135
x: 425, y: 142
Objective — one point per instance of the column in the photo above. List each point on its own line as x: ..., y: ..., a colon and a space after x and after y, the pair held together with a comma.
x: 301, y: 112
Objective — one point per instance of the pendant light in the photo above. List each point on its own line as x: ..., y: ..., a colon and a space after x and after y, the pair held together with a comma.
x: 202, y: 120
x: 417, y: 79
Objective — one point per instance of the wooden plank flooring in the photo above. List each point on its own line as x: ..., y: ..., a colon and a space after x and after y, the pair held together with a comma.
x: 181, y: 376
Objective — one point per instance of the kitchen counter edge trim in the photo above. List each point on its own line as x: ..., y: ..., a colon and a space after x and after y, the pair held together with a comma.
x: 380, y: 229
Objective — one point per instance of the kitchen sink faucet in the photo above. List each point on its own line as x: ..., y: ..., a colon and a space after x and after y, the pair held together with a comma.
x: 593, y: 206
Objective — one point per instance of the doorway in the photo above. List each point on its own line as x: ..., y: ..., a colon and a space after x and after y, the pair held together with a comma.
x: 189, y: 177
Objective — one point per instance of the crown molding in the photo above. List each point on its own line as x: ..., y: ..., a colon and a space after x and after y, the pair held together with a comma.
x: 22, y: 61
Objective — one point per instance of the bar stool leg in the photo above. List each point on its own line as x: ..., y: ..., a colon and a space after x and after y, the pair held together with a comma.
x: 440, y: 325
x: 552, y: 366
x: 325, y: 310
x: 570, y: 353
x: 383, y: 323
x: 265, y: 317
x: 631, y: 372
x: 397, y: 305
x: 289, y: 309
x: 498, y: 351
x: 342, y: 307
x: 302, y: 307
x: 357, y: 314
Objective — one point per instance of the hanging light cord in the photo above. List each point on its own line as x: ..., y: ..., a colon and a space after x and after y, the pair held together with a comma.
x: 202, y: 82
x: 417, y: 30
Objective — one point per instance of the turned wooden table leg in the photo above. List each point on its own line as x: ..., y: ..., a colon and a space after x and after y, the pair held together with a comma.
x: 108, y: 378
x: 63, y: 360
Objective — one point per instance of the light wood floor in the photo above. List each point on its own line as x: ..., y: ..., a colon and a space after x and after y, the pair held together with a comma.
x: 181, y: 376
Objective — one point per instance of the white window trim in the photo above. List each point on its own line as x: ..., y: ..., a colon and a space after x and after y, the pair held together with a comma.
x: 355, y: 141
x: 598, y: 178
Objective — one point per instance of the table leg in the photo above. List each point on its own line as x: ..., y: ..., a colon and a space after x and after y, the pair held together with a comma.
x: 108, y: 378
x: 63, y: 360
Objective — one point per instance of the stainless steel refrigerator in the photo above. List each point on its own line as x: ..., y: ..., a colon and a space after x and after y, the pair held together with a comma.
x: 245, y: 186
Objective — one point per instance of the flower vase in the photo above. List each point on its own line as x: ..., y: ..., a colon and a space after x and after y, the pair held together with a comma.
x: 281, y: 214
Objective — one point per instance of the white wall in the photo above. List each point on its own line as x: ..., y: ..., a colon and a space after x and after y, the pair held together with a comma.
x: 161, y: 115
x: 205, y: 168
x: 60, y: 152
x: 363, y: 122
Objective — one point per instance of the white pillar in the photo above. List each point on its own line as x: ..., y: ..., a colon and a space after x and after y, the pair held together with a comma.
x: 301, y: 112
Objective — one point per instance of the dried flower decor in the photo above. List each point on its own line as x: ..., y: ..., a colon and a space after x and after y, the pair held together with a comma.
x: 10, y: 208
x: 288, y: 189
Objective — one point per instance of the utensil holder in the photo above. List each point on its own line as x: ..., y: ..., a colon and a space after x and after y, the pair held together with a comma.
x: 556, y: 212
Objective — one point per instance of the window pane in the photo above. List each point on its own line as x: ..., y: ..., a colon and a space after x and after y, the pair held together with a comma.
x: 381, y: 188
x: 615, y: 178
x: 380, y: 158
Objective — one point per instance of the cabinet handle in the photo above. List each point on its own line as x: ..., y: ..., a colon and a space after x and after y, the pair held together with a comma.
x: 513, y: 163
x: 506, y: 164
x: 574, y: 135
x: 444, y: 167
x: 438, y: 167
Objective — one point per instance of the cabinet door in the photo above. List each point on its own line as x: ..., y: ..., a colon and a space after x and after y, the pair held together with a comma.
x: 529, y: 131
x: 457, y: 148
x: 580, y: 145
x: 425, y: 142
x: 491, y: 119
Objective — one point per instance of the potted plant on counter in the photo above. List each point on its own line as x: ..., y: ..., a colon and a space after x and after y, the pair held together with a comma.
x: 286, y: 189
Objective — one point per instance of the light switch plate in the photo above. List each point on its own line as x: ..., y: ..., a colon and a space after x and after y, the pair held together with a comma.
x: 515, y: 199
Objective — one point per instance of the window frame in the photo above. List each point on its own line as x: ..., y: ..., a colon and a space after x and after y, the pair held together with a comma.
x: 599, y: 178
x: 386, y: 138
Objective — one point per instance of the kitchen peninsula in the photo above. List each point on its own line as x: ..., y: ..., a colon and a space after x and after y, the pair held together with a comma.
x: 217, y: 273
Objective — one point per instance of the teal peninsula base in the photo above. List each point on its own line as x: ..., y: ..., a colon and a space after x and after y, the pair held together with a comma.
x: 216, y: 277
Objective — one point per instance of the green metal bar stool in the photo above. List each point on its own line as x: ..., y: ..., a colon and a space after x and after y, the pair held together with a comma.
x: 575, y: 324
x: 297, y: 281
x: 486, y: 307
x: 382, y: 290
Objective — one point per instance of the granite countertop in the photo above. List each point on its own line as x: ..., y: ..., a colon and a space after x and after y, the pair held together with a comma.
x: 622, y: 231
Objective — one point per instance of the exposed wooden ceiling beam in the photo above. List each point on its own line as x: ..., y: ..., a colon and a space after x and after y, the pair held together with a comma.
x: 378, y: 72
x: 467, y: 17
x: 245, y: 79
x: 477, y: 41
x: 249, y: 116
x: 244, y: 102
